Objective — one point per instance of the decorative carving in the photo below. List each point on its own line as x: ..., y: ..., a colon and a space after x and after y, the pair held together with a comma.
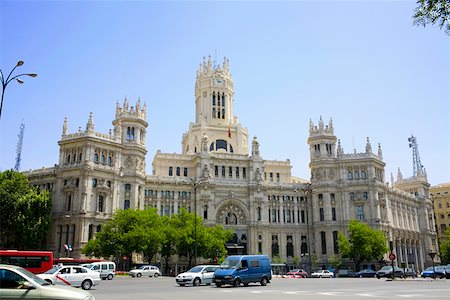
x: 231, y: 214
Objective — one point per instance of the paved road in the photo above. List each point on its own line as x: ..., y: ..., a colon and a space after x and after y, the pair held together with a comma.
x: 280, y: 289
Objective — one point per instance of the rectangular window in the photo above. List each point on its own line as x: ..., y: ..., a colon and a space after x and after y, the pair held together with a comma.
x: 259, y: 247
x: 237, y: 172
x: 302, y: 214
x: 254, y: 264
x: 322, y: 215
x: 244, y: 173
x: 271, y: 176
x: 185, y: 172
x: 216, y: 171
x: 278, y: 177
x: 258, y: 213
x: 323, y: 242
x: 333, y: 213
x: 230, y: 172
x: 335, y: 242
x: 360, y: 212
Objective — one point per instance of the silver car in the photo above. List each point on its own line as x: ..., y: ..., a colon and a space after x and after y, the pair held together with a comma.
x: 18, y: 283
x: 202, y: 274
x: 72, y: 275
x: 150, y: 271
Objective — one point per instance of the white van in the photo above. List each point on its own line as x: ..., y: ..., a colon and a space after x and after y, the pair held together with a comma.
x: 107, y: 269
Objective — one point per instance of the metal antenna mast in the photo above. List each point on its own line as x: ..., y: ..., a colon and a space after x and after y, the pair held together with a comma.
x: 417, y: 165
x: 19, y: 147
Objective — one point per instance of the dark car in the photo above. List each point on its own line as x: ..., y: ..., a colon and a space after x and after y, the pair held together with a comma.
x: 410, y: 273
x: 300, y: 273
x: 386, y: 271
x: 366, y: 273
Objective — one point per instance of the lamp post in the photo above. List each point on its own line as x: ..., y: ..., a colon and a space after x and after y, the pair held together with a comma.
x: 432, y: 254
x: 195, y: 182
x: 9, y: 79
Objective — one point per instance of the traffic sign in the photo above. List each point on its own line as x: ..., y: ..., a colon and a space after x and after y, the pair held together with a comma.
x: 391, y: 256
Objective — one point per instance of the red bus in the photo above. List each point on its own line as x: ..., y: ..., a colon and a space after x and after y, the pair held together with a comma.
x: 74, y: 261
x: 34, y: 261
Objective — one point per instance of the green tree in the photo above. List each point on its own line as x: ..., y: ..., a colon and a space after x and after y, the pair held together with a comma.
x: 432, y: 11
x: 25, y: 213
x: 212, y: 242
x: 364, y: 243
x: 335, y: 262
x: 444, y: 246
x: 127, y: 232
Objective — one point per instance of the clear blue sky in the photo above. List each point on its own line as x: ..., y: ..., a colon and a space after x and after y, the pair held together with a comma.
x: 363, y: 63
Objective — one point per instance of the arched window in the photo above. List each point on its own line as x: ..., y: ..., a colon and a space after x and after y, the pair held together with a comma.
x: 363, y: 175
x: 96, y: 158
x: 109, y: 161
x: 231, y: 219
x: 127, y: 187
x: 223, y: 171
x: 100, y: 203
x: 356, y: 175
x: 126, y: 204
x: 178, y: 171
x: 221, y: 144
x: 349, y: 175
x: 68, y: 158
x: 80, y: 157
x: 102, y: 159
x: 94, y: 182
x: 352, y: 196
x: 170, y: 171
x: 205, y: 212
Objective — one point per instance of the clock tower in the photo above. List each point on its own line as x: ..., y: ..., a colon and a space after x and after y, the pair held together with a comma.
x: 215, y: 122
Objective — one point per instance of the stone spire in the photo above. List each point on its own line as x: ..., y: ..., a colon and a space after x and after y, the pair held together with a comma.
x: 90, y: 124
x: 399, y: 175
x: 392, y: 179
x: 368, y: 146
x: 339, y: 148
x: 380, y: 152
x: 311, y: 126
x: 255, y: 148
x: 64, y: 131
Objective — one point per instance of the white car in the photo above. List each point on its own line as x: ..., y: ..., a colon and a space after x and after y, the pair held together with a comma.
x: 146, y: 271
x: 322, y: 274
x: 71, y: 275
x: 202, y: 274
x: 18, y: 283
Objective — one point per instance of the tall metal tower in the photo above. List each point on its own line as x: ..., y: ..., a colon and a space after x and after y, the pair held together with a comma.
x: 19, y: 147
x: 417, y: 165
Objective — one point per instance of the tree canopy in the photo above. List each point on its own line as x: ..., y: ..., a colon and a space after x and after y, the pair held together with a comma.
x: 363, y: 244
x: 145, y: 232
x: 444, y: 247
x: 25, y: 212
x: 432, y: 12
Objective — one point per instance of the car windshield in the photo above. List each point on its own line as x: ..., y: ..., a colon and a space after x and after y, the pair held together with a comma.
x: 230, y: 263
x: 295, y: 270
x: 386, y: 268
x: 196, y: 269
x: 36, y: 279
x: 53, y: 270
x: 429, y: 269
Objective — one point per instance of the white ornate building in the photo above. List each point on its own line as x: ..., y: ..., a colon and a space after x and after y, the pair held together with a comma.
x: 270, y: 211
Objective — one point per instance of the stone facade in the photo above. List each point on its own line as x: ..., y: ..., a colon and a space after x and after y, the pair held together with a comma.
x: 217, y: 176
x: 441, y: 200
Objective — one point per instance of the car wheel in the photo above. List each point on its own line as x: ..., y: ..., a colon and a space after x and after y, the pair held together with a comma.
x: 49, y: 281
x: 378, y: 276
x: 264, y: 281
x: 236, y: 283
x: 86, y: 285
x: 138, y: 275
x: 196, y: 282
x: 156, y: 275
x: 320, y: 276
x: 218, y: 284
x: 110, y: 277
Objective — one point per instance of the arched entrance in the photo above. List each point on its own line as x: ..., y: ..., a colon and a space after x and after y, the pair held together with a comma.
x: 232, y: 215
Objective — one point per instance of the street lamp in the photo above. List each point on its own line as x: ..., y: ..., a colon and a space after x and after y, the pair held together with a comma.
x: 195, y: 182
x: 9, y: 79
x: 432, y: 254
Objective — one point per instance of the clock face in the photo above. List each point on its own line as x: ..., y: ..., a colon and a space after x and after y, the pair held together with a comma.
x: 218, y: 81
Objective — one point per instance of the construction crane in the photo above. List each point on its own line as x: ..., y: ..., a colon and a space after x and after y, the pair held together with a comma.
x: 19, y: 147
x: 417, y: 165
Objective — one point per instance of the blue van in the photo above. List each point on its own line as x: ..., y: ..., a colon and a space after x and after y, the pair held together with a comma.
x: 237, y: 269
